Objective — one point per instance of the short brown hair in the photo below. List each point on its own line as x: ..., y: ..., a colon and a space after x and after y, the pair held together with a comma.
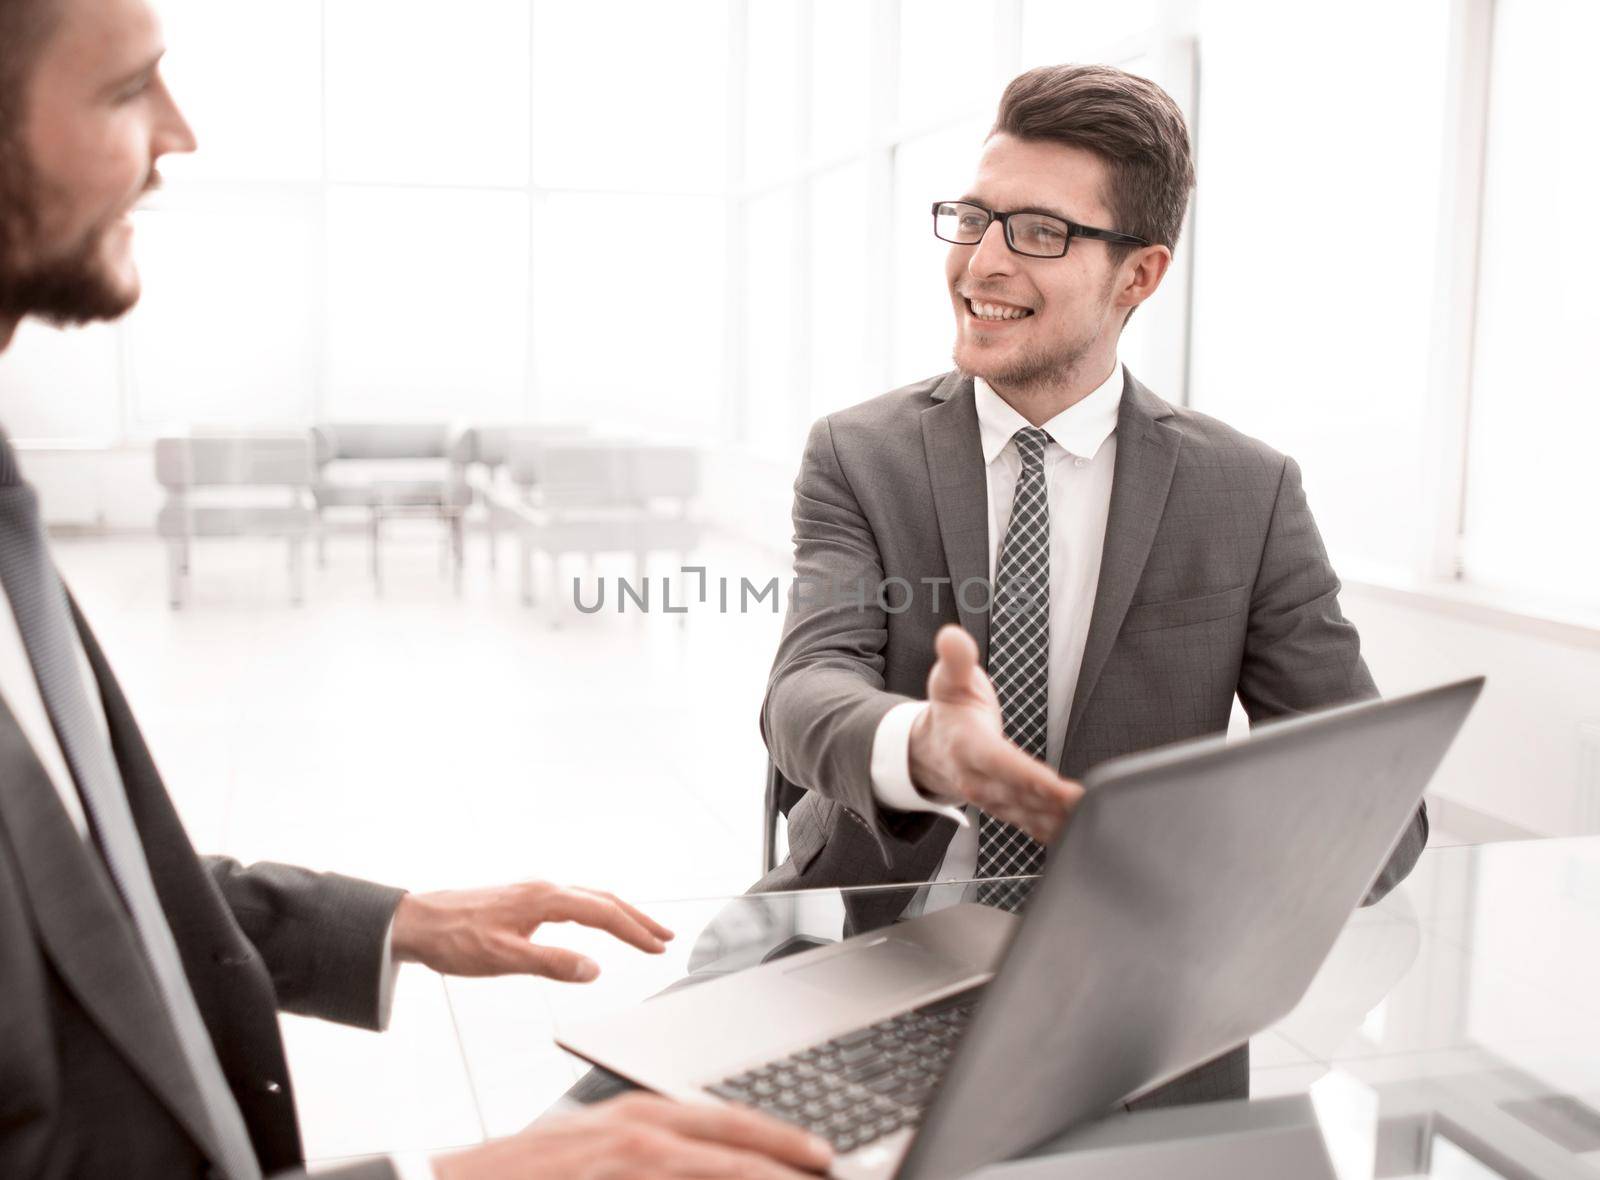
x: 1129, y: 122
x: 25, y: 28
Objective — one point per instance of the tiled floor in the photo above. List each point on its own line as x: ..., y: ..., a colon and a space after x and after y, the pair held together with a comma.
x: 431, y: 740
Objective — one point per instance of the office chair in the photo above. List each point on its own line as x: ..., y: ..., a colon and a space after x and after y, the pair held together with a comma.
x: 782, y: 795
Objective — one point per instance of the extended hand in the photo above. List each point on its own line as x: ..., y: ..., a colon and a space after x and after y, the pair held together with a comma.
x: 640, y: 1135
x: 486, y: 931
x: 959, y: 749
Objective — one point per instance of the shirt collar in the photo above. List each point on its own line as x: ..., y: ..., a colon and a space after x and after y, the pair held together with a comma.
x: 1080, y: 429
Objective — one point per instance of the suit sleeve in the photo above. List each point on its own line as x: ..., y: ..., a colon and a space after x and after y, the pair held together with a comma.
x: 324, y: 937
x: 826, y: 696
x: 1301, y: 653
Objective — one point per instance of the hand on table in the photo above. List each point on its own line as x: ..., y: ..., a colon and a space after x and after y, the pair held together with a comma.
x: 959, y: 750
x: 487, y: 931
x: 640, y: 1135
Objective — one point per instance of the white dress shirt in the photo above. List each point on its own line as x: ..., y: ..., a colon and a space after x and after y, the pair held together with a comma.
x: 1078, y: 465
x: 20, y: 692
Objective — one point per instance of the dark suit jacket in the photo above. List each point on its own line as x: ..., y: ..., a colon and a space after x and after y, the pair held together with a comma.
x: 92, y: 1083
x: 1213, y: 584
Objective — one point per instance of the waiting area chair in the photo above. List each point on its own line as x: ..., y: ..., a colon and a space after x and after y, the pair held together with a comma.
x: 590, y: 496
x: 232, y: 486
x: 497, y: 483
x: 391, y: 469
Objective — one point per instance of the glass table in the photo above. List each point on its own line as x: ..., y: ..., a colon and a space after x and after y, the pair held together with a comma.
x: 1454, y: 1030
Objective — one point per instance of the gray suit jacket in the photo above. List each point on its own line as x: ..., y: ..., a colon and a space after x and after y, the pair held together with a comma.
x: 1213, y: 584
x: 92, y: 1083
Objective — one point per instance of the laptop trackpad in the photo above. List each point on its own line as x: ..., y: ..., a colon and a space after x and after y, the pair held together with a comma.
x: 888, y: 967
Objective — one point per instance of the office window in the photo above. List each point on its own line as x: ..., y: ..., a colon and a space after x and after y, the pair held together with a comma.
x: 1535, y: 416
x: 61, y: 384
x: 426, y: 93
x: 628, y: 311
x: 1315, y: 240
x: 773, y: 379
x: 841, y: 77
x: 224, y: 333
x: 646, y: 114
x: 950, y: 61
x: 841, y: 251
x: 1053, y: 32
x: 427, y: 299
x: 247, y: 83
x: 773, y: 145
x: 925, y: 170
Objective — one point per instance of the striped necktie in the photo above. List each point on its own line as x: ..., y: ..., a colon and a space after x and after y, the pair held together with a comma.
x: 40, y: 604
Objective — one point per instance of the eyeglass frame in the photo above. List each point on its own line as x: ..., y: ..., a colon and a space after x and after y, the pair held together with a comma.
x: 1074, y: 229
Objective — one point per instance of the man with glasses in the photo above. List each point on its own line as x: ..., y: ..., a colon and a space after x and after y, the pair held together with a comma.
x: 1011, y: 572
x: 139, y: 985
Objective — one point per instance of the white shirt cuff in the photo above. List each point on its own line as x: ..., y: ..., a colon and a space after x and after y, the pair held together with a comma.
x: 413, y: 1166
x: 386, y: 989
x: 891, y: 765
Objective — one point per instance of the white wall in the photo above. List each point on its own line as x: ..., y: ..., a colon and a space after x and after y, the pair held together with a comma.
x: 1530, y: 753
x: 112, y: 489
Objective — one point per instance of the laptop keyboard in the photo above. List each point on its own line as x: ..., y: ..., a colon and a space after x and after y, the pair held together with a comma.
x: 863, y: 1085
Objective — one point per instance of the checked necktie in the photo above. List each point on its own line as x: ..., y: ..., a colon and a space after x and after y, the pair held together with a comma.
x: 1019, y: 656
x: 40, y: 605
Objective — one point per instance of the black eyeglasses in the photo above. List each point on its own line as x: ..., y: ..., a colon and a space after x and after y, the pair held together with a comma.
x: 1036, y: 235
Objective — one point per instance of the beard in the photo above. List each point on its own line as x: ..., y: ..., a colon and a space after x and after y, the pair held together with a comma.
x: 68, y: 287
x: 1047, y: 365
x: 67, y: 290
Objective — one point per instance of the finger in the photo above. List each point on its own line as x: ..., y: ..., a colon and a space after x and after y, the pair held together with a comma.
x: 634, y: 912
x: 695, y: 1157
x: 1022, y: 774
x: 600, y: 913
x: 1044, y: 825
x: 1038, y: 825
x: 552, y: 962
x: 955, y: 666
x: 734, y: 1126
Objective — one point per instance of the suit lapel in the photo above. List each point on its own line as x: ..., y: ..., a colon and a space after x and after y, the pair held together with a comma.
x: 960, y: 496
x: 1147, y: 454
x: 87, y: 933
x: 140, y: 777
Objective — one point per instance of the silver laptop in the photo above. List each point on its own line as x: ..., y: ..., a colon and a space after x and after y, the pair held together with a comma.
x: 1186, y: 907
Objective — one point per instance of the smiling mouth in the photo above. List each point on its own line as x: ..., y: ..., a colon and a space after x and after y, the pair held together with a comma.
x: 995, y: 312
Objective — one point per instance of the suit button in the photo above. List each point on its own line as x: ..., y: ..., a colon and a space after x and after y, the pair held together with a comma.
x: 272, y: 1087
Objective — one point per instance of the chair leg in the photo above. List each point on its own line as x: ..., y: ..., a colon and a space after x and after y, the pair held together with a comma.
x: 494, y: 539
x: 374, y: 538
x: 525, y: 574
x: 322, y: 543
x: 177, y: 566
x: 458, y: 548
x: 297, y: 575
